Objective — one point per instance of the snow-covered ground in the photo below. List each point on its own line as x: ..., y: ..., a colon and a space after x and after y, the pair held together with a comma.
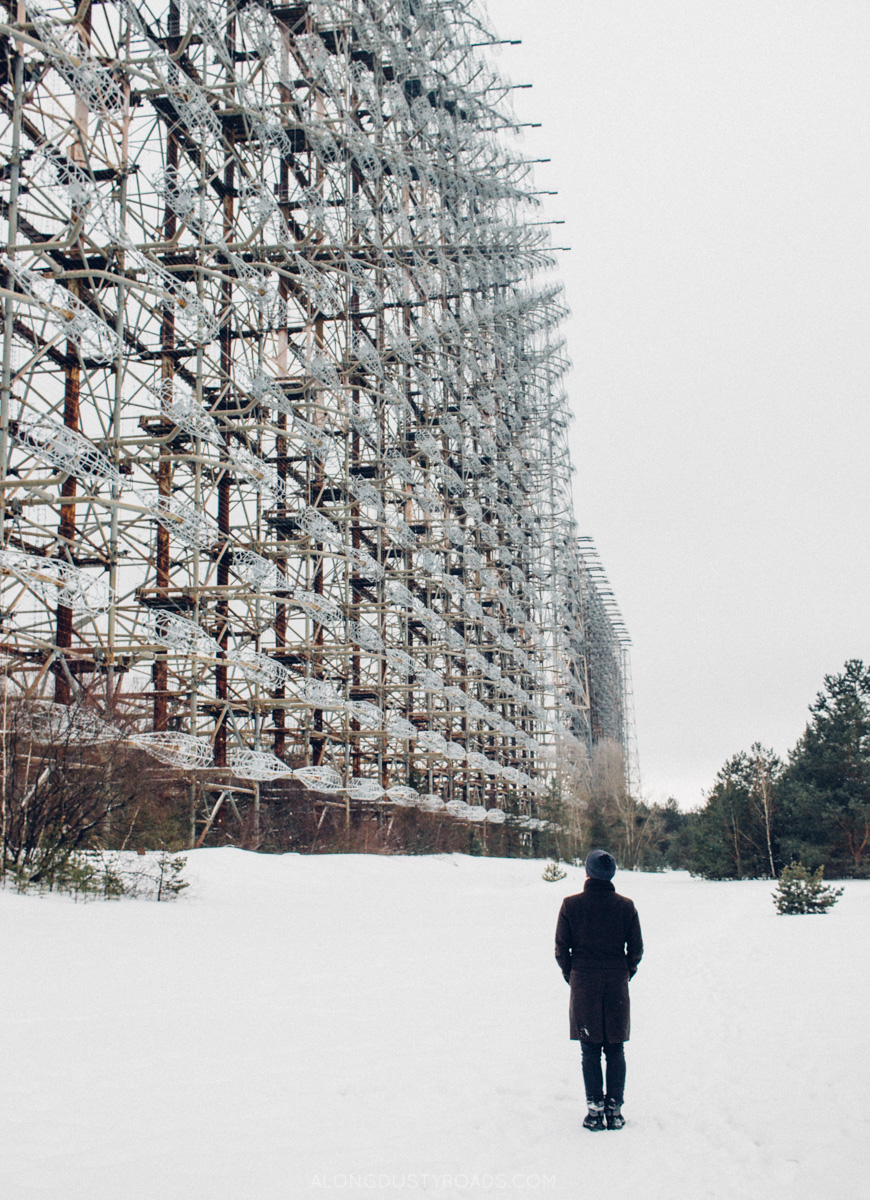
x: 397, y: 1027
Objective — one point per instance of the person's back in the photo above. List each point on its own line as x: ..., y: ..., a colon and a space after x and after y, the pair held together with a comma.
x: 597, y: 925
x: 598, y: 947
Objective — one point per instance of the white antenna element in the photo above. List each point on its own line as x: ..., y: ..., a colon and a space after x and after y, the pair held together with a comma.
x: 363, y: 788
x: 72, y: 319
x: 319, y: 694
x: 317, y: 526
x: 368, y: 715
x: 260, y: 668
x: 364, y: 635
x: 261, y: 573
x: 319, y: 608
x: 262, y: 477
x: 398, y: 727
x: 67, y: 450
x: 320, y: 779
x: 53, y: 724
x: 90, y: 81
x: 256, y: 764
x: 180, y: 406
x: 176, y: 749
x: 186, y: 523
x: 405, y: 797
x: 58, y: 582
x: 180, y: 634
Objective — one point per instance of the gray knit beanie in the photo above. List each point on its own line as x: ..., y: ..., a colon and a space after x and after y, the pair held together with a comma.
x: 600, y: 865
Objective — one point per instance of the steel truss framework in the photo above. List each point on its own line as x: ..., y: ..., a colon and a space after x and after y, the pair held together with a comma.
x: 608, y: 658
x: 284, y: 440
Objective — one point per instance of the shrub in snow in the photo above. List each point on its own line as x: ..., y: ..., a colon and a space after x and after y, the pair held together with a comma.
x: 98, y: 875
x: 803, y: 891
x: 553, y: 872
x: 165, y: 876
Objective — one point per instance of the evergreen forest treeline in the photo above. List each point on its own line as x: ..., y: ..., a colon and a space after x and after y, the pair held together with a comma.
x: 761, y: 813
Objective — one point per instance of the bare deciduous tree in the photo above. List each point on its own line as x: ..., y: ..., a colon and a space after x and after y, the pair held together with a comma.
x: 66, y: 771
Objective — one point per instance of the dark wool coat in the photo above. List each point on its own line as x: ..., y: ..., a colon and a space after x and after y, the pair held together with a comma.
x: 598, y: 947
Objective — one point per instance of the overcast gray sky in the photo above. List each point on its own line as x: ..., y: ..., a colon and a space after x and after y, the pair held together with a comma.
x: 713, y: 173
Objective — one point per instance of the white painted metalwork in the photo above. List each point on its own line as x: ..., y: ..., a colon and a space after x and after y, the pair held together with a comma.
x: 367, y: 714
x: 319, y: 608
x: 181, y: 406
x: 363, y: 635
x: 61, y: 308
x: 62, y: 725
x: 320, y: 527
x: 457, y: 808
x: 323, y: 695
x: 180, y: 634
x: 181, y: 750
x: 431, y: 740
x: 256, y: 764
x: 261, y: 573
x: 319, y: 779
x: 263, y: 478
x: 364, y: 788
x: 259, y: 668
x: 398, y: 727
x: 186, y: 523
x: 58, y: 582
x: 476, y: 812
x: 67, y: 449
x: 404, y: 797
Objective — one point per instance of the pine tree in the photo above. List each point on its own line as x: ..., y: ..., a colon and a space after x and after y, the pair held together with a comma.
x: 801, y: 891
x: 735, y: 836
x: 826, y: 793
x: 169, y: 880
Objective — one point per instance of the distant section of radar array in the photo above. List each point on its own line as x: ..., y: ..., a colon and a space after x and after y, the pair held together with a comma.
x: 283, y: 436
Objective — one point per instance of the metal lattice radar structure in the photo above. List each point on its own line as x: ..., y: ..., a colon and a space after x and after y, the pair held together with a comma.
x: 283, y: 437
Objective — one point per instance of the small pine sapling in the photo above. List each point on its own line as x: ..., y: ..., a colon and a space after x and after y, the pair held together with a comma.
x: 169, y: 881
x: 553, y: 872
x: 801, y: 891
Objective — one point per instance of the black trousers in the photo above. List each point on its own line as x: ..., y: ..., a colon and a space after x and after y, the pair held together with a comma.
x: 615, y: 1054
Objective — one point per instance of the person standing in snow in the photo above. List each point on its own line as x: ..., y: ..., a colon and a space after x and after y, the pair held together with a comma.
x: 598, y: 947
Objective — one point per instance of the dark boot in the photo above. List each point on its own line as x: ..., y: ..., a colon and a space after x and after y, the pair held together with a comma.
x: 613, y: 1115
x: 594, y: 1119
